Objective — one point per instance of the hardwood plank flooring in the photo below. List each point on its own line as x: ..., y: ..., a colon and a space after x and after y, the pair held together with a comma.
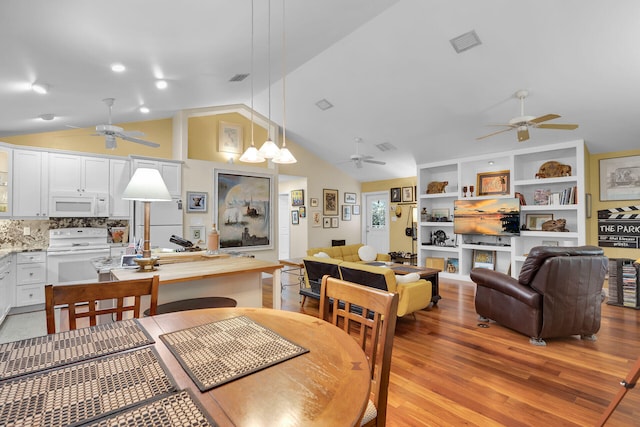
x: 447, y: 371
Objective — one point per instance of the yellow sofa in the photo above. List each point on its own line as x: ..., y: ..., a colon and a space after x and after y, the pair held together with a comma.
x: 345, y: 253
x: 413, y: 296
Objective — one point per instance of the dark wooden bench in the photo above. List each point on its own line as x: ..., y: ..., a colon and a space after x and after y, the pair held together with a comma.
x: 194, y: 304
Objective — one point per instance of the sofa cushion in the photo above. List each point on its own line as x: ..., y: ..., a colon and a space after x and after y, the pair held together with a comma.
x: 367, y: 253
x: 407, y: 278
x: 321, y: 255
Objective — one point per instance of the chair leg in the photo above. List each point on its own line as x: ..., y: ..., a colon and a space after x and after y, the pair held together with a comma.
x: 537, y: 341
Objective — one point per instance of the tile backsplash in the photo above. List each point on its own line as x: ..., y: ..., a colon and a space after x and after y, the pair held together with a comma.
x: 12, y: 234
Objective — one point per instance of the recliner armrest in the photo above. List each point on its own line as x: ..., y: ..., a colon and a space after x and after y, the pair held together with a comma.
x: 505, y: 284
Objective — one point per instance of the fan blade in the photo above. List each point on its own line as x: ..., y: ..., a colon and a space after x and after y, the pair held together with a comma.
x: 132, y: 133
x: 139, y: 141
x: 494, y: 133
x: 523, y: 133
x: 558, y: 126
x: 544, y: 118
x: 377, y: 162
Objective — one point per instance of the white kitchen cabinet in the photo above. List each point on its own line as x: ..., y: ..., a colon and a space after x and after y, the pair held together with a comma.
x: 510, y: 252
x: 31, y: 275
x: 6, y: 285
x: 30, y: 186
x: 6, y: 158
x: 119, y: 176
x: 171, y: 172
x: 73, y: 173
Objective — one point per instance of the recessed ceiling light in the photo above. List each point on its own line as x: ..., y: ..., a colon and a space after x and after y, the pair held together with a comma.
x: 41, y: 88
x: 490, y: 162
x: 117, y: 67
x: 48, y: 116
x: 144, y: 110
x: 161, y: 84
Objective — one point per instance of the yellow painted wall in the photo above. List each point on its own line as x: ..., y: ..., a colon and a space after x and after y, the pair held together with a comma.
x: 593, y: 183
x: 159, y: 131
x: 204, y: 134
x: 398, y: 241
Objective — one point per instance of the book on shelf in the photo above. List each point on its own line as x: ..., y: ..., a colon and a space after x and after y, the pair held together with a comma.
x: 568, y: 196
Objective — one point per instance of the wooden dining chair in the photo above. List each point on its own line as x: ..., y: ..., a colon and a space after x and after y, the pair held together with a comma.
x: 90, y: 293
x: 369, y: 316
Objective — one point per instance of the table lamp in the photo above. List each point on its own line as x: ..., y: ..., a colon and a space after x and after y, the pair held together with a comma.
x: 147, y: 186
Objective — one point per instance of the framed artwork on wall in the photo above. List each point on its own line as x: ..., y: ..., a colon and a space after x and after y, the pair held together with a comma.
x: 334, y: 222
x: 407, y: 194
x: 230, y: 138
x: 314, y: 202
x: 316, y: 219
x: 329, y: 202
x: 243, y: 203
x: 297, y: 197
x: 395, y: 195
x: 326, y: 222
x: 302, y: 211
x: 196, y: 234
x: 356, y: 210
x: 197, y: 201
x: 620, y: 178
x: 346, y: 212
x: 350, y: 198
x: 295, y: 218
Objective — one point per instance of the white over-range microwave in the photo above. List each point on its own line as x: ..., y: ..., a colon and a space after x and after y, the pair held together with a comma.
x: 71, y: 204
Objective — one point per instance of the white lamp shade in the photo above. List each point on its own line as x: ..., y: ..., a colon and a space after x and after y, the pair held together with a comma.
x: 146, y: 185
x: 284, y: 156
x: 252, y: 155
x: 269, y: 149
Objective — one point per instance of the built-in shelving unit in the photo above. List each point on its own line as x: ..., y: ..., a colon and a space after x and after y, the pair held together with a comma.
x: 523, y: 165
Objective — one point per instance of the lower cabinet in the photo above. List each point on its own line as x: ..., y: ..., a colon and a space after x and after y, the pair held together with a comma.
x: 31, y: 275
x: 6, y: 285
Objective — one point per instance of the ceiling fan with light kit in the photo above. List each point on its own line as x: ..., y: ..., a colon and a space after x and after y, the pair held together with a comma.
x: 358, y: 159
x: 111, y: 132
x: 522, y: 123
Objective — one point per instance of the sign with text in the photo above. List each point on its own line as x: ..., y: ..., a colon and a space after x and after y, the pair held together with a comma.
x: 619, y: 227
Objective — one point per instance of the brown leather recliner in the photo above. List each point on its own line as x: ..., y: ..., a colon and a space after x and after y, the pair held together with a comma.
x: 558, y: 293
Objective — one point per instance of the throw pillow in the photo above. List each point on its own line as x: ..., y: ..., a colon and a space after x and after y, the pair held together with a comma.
x: 321, y: 255
x: 367, y: 253
x: 407, y: 278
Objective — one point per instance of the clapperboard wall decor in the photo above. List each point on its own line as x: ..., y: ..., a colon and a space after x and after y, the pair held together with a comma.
x: 619, y: 227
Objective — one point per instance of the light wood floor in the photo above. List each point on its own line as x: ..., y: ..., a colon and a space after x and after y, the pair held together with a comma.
x: 447, y: 371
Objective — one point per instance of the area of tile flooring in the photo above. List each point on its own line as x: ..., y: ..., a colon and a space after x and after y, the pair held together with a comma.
x: 23, y: 325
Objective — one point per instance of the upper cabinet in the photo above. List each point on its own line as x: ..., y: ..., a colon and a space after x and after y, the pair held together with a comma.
x: 6, y: 158
x: 72, y: 173
x: 30, y: 188
x: 171, y: 172
x: 119, y: 176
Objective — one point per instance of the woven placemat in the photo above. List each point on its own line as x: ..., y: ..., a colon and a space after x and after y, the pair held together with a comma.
x: 83, y: 391
x: 175, y: 410
x: 216, y: 353
x: 36, y: 354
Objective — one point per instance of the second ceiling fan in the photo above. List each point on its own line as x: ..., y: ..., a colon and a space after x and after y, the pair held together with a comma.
x: 523, y: 123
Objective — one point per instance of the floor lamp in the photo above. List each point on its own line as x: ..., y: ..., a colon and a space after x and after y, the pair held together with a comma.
x: 147, y: 186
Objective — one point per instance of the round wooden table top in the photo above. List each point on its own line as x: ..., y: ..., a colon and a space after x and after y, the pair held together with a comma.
x: 327, y: 386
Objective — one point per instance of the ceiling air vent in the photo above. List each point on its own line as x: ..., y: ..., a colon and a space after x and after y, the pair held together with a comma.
x: 386, y: 146
x: 465, y: 41
x: 238, y: 77
x: 323, y: 104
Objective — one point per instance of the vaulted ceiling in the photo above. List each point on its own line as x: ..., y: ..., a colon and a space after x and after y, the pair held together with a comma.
x: 387, y: 67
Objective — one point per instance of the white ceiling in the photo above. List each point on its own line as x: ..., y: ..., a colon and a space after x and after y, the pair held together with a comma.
x: 386, y: 65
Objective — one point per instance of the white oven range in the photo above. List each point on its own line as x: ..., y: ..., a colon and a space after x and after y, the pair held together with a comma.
x: 70, y: 252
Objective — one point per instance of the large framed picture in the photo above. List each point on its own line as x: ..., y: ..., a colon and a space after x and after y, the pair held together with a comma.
x: 243, y: 209
x: 620, y: 178
x: 329, y: 202
x: 230, y: 138
x: 484, y: 259
x: 197, y: 202
x: 297, y: 197
x: 493, y: 183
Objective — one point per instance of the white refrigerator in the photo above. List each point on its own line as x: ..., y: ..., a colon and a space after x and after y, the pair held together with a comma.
x: 166, y: 220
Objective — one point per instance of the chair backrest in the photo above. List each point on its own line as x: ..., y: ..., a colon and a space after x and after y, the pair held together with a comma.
x: 372, y: 325
x: 90, y: 293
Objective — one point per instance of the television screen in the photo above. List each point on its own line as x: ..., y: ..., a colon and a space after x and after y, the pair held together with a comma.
x: 495, y: 217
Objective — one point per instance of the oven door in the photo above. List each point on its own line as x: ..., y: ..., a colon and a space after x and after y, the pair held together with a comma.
x: 73, y: 266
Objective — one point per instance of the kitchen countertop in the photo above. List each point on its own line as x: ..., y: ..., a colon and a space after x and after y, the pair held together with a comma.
x: 9, y: 251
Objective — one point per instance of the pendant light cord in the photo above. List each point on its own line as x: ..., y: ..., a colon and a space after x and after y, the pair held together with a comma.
x: 252, y: 143
x: 284, y: 73
x: 269, y: 66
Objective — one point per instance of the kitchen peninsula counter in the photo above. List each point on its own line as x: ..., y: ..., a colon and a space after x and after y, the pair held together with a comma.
x: 239, y: 278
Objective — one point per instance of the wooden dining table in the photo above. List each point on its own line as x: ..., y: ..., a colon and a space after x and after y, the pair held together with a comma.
x: 327, y: 386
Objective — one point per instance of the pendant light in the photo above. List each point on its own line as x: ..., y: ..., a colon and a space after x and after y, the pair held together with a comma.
x: 269, y: 149
x: 252, y: 155
x: 284, y: 156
